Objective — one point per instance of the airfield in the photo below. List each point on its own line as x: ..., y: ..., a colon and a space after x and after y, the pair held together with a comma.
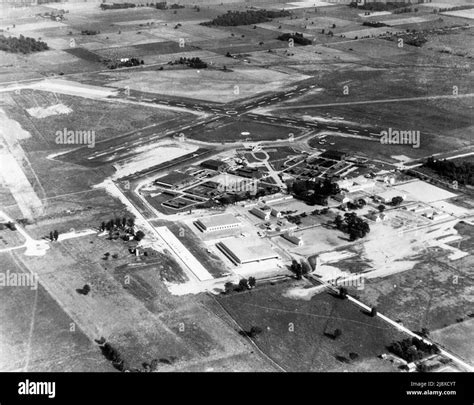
x: 267, y: 112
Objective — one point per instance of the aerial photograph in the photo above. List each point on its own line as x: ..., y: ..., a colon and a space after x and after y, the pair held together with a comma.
x: 236, y: 186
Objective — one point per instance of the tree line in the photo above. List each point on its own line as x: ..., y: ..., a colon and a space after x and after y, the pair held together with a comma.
x: 22, y: 44
x: 296, y: 37
x: 462, y: 172
x: 355, y: 226
x: 248, y: 17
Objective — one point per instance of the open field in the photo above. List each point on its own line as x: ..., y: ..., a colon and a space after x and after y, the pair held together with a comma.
x: 294, y: 330
x: 433, y: 294
x: 457, y: 339
x: 112, y: 311
x: 160, y: 298
x: 206, y: 84
x: 37, y: 335
x: 241, y: 130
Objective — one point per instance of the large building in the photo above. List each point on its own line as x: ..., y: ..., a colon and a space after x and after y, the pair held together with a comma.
x: 213, y: 164
x: 218, y: 222
x: 263, y: 213
x: 247, y: 250
x: 175, y: 180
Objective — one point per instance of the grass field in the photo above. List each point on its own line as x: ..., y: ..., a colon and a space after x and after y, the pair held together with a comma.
x: 232, y: 132
x: 294, y: 330
x: 53, y: 346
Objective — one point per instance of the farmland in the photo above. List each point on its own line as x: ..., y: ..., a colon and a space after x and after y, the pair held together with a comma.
x: 306, y: 346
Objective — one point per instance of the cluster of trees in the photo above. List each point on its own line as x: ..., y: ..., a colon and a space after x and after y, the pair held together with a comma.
x: 355, y: 226
x: 248, y: 17
x: 455, y: 8
x: 313, y: 192
x: 162, y: 5
x: 397, y: 200
x: 84, y: 290
x: 89, y: 32
x: 21, y: 44
x: 300, y: 268
x: 128, y: 63
x: 195, y: 63
x: 234, y: 198
x: 375, y: 24
x: 405, y: 10
x: 356, y: 204
x: 117, y: 223
x: 412, y: 349
x: 115, y: 6
x: 379, y: 6
x: 53, y: 235
x: 253, y: 332
x: 297, y: 38
x: 10, y: 225
x: 244, y: 285
x: 114, y: 226
x: 463, y: 172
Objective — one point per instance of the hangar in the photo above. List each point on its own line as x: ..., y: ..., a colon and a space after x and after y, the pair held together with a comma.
x: 217, y: 223
x: 246, y: 250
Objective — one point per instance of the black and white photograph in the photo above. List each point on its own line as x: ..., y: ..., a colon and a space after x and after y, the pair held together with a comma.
x: 227, y: 192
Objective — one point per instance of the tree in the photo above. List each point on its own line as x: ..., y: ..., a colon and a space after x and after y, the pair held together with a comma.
x: 252, y: 282
x: 254, y: 331
x: 56, y: 234
x: 102, y: 226
x: 337, y: 333
x: 397, y: 200
x: 243, y: 284
x: 86, y: 289
x: 338, y: 221
x: 381, y: 208
x: 228, y: 287
x: 296, y: 268
x: 51, y: 236
x: 373, y: 312
x: 353, y: 356
x: 342, y: 292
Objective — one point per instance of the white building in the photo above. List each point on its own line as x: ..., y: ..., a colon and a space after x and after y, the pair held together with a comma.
x: 217, y: 223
